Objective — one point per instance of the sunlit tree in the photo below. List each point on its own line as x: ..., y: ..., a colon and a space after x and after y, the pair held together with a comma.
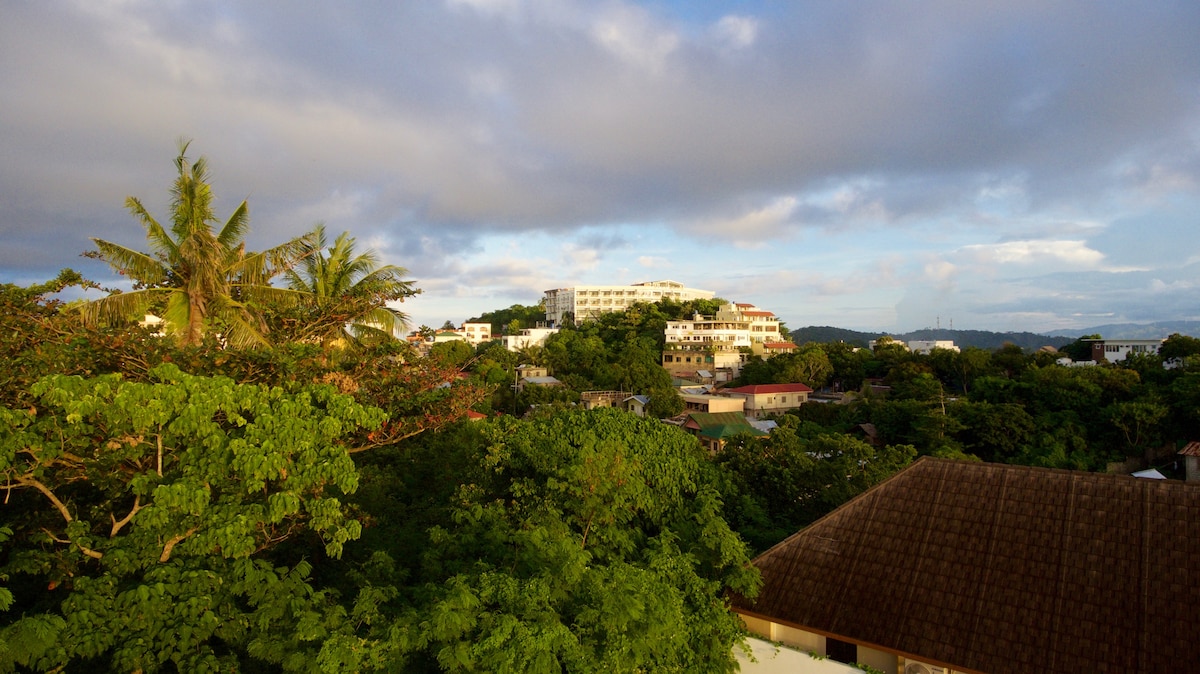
x: 346, y: 293
x: 199, y: 276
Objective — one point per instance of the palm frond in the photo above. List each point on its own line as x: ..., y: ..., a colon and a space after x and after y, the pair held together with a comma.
x: 160, y: 241
x: 135, y: 264
x: 119, y: 308
x: 235, y: 228
x: 240, y: 328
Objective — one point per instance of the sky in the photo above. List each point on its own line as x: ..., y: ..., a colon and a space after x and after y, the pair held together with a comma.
x: 1026, y: 165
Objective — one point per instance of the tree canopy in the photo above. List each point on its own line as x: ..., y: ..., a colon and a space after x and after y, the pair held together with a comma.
x: 197, y: 278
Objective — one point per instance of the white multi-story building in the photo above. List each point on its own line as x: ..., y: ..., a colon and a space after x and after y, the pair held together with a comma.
x: 528, y: 337
x: 707, y: 343
x: 1113, y: 350
x: 584, y: 302
x: 926, y: 346
x: 763, y: 325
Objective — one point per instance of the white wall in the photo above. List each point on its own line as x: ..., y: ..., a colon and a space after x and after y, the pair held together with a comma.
x: 771, y: 659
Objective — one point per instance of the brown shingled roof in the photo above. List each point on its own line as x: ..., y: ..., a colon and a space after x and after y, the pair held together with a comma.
x: 1001, y: 569
x: 1191, y: 449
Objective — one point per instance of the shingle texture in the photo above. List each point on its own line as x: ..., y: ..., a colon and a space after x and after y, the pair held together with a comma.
x: 1001, y: 569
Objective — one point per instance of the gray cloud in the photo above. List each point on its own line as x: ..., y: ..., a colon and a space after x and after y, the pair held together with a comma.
x: 427, y: 126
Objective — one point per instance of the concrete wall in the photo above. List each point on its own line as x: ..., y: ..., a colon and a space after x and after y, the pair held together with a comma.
x: 804, y: 642
x: 767, y: 658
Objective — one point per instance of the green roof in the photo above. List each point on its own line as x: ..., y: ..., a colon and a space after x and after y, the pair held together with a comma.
x: 721, y: 425
x: 729, y: 430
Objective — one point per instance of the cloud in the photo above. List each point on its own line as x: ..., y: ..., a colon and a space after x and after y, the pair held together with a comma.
x: 736, y: 32
x: 630, y: 34
x: 1071, y: 252
x: 653, y: 262
x: 1064, y: 136
x: 752, y: 226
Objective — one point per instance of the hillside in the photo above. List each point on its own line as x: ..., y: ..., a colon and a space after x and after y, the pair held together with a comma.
x: 1159, y: 330
x: 962, y: 338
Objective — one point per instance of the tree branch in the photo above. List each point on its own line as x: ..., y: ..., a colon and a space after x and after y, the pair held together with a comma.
x: 117, y: 525
x: 170, y: 544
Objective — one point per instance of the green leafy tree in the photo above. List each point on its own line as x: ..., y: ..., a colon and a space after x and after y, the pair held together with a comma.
x: 198, y: 278
x: 1179, y: 346
x: 810, y: 365
x: 1079, y: 350
x: 586, y: 542
x: 778, y: 484
x: 149, y: 511
x: 345, y: 295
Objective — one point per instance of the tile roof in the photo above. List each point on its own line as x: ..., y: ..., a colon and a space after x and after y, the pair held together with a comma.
x: 764, y: 389
x: 1000, y: 569
x: 1191, y: 449
x: 780, y: 345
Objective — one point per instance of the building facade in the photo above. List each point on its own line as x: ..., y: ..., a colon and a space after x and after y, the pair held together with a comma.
x: 1115, y: 350
x: 528, y: 337
x: 580, y: 303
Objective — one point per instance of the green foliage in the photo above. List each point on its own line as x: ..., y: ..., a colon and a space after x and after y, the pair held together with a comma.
x: 778, y: 484
x: 589, y: 542
x: 147, y: 504
x: 345, y: 296
x: 199, y: 279
x: 513, y: 319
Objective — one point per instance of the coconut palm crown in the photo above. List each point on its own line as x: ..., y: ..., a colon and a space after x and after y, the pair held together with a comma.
x: 348, y: 293
x: 198, y: 278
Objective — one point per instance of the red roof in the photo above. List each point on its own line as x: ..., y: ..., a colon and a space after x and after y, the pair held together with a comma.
x: 757, y: 313
x: 762, y: 389
x: 779, y: 345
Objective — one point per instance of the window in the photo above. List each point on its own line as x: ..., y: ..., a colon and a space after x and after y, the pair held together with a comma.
x: 841, y: 651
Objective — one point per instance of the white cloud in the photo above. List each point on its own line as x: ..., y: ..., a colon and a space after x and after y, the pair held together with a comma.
x: 736, y: 32
x: 628, y: 33
x: 577, y: 258
x: 753, y: 226
x: 653, y: 262
x: 1075, y: 253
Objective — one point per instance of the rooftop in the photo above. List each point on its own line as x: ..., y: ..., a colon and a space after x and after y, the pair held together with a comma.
x: 1000, y: 569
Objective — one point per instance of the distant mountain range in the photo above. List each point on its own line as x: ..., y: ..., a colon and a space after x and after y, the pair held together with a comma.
x: 983, y: 339
x: 962, y: 338
x: 1159, y: 330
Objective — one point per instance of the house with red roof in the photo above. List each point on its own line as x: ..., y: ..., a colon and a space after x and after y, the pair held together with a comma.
x: 762, y: 399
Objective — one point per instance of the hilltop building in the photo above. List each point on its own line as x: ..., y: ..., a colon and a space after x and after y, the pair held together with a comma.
x: 721, y: 343
x: 582, y: 302
x: 1115, y: 350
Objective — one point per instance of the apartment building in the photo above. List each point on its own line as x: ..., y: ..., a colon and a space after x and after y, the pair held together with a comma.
x: 719, y: 345
x: 584, y: 302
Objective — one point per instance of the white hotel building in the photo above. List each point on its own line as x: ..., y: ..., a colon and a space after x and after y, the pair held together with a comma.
x: 584, y: 302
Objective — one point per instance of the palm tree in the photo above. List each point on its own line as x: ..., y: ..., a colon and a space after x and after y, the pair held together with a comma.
x: 195, y: 276
x: 349, y: 292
